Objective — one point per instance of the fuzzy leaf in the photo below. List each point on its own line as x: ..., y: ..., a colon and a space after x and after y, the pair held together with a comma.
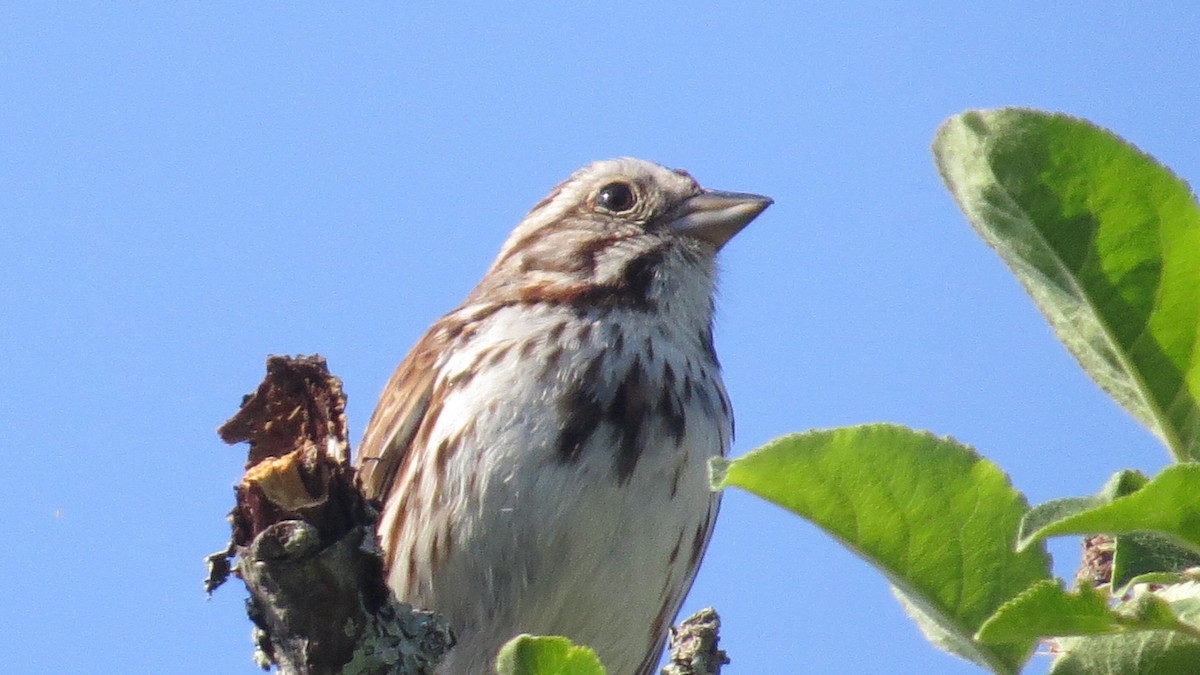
x: 1047, y: 610
x: 1169, y: 504
x: 1143, y: 653
x: 933, y: 516
x: 1107, y: 242
x: 535, y: 655
x: 1143, y: 553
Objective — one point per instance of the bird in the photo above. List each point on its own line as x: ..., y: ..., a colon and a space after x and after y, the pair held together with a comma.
x: 540, y: 455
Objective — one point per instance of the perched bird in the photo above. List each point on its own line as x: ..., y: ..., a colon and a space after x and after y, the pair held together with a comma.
x: 540, y: 455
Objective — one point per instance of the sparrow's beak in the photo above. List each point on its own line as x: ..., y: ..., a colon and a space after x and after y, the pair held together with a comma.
x: 716, y: 216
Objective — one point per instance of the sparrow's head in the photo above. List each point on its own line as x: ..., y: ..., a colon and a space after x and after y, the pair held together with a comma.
x: 614, y: 228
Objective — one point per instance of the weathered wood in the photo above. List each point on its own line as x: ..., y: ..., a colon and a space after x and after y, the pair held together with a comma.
x: 304, y: 542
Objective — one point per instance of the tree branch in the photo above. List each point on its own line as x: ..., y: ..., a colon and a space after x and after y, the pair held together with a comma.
x: 304, y: 538
x: 693, y: 646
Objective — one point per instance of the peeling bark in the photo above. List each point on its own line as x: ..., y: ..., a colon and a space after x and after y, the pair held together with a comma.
x: 693, y: 646
x: 304, y: 542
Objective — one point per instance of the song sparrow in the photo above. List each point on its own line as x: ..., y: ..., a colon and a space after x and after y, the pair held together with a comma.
x: 541, y: 452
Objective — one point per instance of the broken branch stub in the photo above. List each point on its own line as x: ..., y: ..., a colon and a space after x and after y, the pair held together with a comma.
x: 303, y: 538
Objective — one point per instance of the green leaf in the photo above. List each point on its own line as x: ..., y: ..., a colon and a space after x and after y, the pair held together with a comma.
x: 1175, y: 606
x: 1143, y: 653
x: 1134, y: 554
x: 530, y: 655
x: 1179, y: 601
x: 1169, y: 504
x: 934, y: 517
x: 1105, y: 239
x: 1140, y: 554
x: 1122, y: 483
x: 1154, y: 632
x: 1046, y: 610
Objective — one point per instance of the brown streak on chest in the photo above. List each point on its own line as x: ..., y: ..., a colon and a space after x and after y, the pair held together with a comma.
x: 658, y: 631
x: 706, y: 343
x: 628, y: 412
x: 551, y: 362
x: 581, y: 414
x: 699, y: 540
x: 671, y: 411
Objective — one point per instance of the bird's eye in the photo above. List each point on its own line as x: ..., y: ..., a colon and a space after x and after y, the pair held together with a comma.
x: 616, y: 197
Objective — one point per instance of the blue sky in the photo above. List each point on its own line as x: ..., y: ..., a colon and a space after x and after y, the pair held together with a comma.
x: 187, y: 187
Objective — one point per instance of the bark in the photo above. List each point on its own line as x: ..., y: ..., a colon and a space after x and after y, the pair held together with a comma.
x: 693, y: 646
x: 304, y: 543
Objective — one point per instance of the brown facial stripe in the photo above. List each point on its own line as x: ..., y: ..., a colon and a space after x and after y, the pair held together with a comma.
x: 582, y: 295
x: 583, y: 259
x: 526, y: 248
x: 577, y: 286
